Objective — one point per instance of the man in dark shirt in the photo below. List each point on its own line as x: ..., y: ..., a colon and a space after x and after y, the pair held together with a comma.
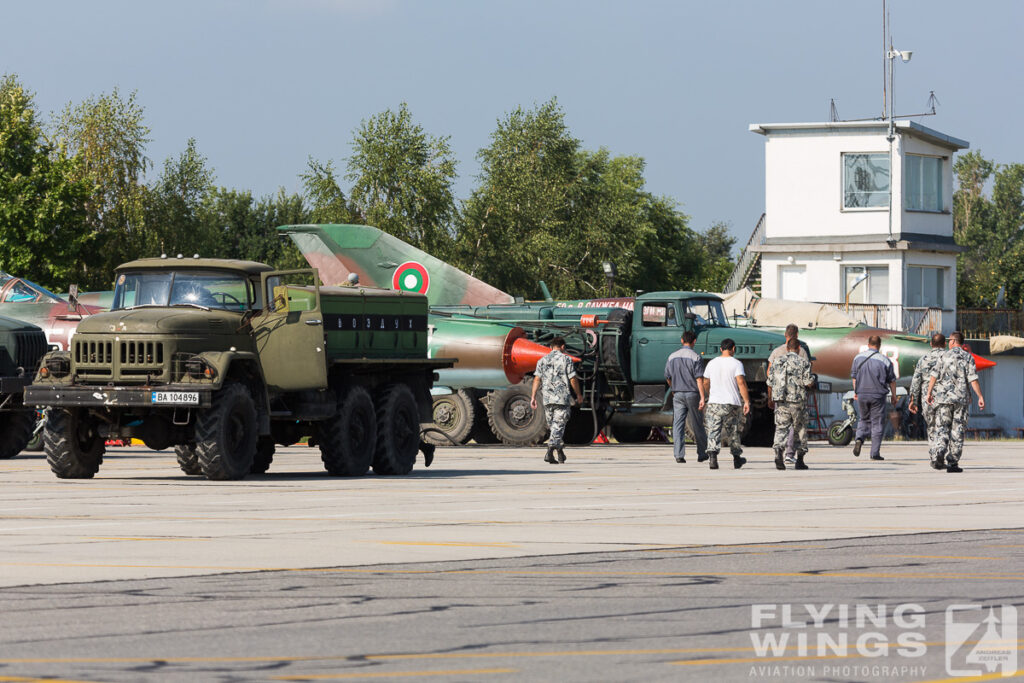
x: 873, y: 378
x: 683, y: 371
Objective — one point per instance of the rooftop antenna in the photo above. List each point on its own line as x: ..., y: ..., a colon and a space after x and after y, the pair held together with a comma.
x: 833, y: 113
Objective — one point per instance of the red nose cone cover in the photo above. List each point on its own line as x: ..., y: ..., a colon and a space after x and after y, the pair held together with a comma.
x: 521, y: 357
x: 982, y: 363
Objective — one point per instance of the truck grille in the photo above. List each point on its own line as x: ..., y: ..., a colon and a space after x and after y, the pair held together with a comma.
x: 136, y: 359
x: 93, y: 353
x: 31, y: 347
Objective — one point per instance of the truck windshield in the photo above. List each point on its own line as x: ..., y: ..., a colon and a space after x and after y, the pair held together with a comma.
x: 709, y: 312
x: 224, y: 291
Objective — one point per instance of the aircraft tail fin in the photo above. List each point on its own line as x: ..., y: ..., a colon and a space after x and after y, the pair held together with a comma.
x: 383, y: 260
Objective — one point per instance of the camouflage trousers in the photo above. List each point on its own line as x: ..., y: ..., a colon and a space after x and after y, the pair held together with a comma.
x: 950, y: 425
x: 723, y: 421
x: 928, y: 415
x: 791, y: 415
x: 558, y: 417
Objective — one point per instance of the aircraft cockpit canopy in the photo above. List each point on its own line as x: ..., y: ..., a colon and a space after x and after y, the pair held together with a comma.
x: 16, y: 290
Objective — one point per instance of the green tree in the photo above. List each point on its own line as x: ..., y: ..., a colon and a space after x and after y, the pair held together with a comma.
x: 245, y: 228
x: 402, y: 180
x: 43, y: 235
x: 326, y: 199
x: 991, y: 229
x: 109, y: 135
x: 715, y: 262
x: 173, y: 207
x: 545, y: 209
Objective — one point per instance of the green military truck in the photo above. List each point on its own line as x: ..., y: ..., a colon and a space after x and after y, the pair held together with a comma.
x: 623, y: 345
x: 21, y: 347
x: 224, y: 359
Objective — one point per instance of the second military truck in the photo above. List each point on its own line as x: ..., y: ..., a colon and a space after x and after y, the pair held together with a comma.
x: 224, y: 359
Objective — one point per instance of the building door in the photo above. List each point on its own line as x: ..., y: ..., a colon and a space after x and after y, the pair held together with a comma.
x: 793, y: 283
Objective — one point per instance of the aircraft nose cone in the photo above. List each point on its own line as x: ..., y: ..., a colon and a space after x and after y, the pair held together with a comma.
x: 521, y: 357
x: 983, y: 363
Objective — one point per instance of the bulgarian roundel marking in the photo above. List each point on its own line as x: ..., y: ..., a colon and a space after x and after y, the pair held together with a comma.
x: 411, y: 277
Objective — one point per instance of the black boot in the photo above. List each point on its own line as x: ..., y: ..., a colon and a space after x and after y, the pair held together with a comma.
x: 550, y: 455
x: 857, y: 446
x: 713, y: 460
x: 800, y: 465
x: 780, y: 463
x: 561, y: 454
x: 938, y: 464
x: 739, y: 461
x: 953, y: 467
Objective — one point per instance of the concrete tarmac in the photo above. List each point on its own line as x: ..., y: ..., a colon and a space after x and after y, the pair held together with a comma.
x: 141, y: 517
x: 618, y: 565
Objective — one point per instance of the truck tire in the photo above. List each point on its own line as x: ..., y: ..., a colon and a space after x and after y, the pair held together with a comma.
x: 226, y: 434
x: 481, y: 433
x: 453, y: 415
x: 398, y: 431
x: 348, y: 441
x: 188, y: 460
x: 264, y: 455
x: 74, y: 450
x: 15, y: 432
x: 512, y: 419
x: 840, y: 433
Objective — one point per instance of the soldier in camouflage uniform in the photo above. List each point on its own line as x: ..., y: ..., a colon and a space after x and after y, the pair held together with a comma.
x: 922, y: 373
x: 555, y: 372
x: 788, y: 380
x: 947, y: 392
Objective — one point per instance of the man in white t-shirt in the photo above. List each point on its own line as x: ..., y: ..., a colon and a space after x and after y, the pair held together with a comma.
x: 726, y: 387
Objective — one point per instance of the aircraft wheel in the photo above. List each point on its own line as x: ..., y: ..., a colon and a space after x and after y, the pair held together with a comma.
x: 16, y: 432
x: 348, y: 441
x: 453, y: 414
x: 512, y: 419
x: 226, y: 434
x: 398, y: 431
x: 580, y: 429
x: 188, y: 461
x: 74, y: 450
x: 840, y: 433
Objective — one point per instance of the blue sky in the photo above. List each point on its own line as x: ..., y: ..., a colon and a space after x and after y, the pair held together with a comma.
x: 264, y: 84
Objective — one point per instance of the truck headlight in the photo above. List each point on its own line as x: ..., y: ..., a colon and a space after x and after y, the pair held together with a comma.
x: 197, y: 368
x: 55, y: 366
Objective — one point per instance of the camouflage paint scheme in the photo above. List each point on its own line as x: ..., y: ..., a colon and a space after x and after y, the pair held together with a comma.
x: 25, y: 300
x: 338, y: 250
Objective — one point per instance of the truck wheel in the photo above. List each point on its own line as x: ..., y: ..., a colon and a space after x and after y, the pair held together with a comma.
x: 512, y: 419
x: 188, y: 460
x: 226, y: 434
x: 481, y: 433
x: 398, y: 431
x: 15, y: 432
x: 264, y: 455
x: 73, y: 448
x: 840, y: 433
x: 347, y: 442
x: 453, y: 414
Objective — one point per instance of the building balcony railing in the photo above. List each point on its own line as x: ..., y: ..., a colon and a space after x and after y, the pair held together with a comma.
x: 913, y: 319
x: 982, y: 323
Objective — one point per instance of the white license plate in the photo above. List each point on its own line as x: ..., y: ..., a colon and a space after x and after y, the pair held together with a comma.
x: 182, y: 397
